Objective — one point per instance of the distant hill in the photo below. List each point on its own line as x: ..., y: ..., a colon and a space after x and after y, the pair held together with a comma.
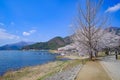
x: 15, y: 46
x: 115, y: 30
x: 51, y: 44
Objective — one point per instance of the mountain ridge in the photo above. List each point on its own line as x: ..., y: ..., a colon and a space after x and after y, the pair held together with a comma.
x: 53, y: 43
x: 15, y: 46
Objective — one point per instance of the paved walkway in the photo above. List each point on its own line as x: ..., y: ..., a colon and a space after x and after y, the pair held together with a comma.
x: 92, y: 70
x: 112, y: 67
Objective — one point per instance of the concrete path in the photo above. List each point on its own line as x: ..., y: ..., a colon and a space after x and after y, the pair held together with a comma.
x: 92, y: 70
x: 112, y: 67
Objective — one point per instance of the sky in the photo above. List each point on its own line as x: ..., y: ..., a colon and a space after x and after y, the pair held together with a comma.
x: 41, y: 20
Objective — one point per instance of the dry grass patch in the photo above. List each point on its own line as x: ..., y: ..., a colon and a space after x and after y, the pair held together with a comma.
x: 66, y: 65
x: 31, y: 73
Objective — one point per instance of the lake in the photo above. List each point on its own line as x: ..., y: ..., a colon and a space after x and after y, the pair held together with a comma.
x: 13, y: 60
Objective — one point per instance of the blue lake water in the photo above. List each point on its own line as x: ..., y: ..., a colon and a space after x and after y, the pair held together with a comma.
x: 12, y: 60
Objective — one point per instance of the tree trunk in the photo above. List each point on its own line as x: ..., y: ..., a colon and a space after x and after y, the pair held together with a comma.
x: 116, y: 56
x: 96, y: 53
x: 90, y: 55
x: 107, y: 52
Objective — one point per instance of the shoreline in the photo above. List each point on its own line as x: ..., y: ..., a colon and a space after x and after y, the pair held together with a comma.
x: 58, y: 58
x: 20, y: 61
x: 21, y: 68
x: 27, y: 70
x: 39, y: 71
x: 17, y: 69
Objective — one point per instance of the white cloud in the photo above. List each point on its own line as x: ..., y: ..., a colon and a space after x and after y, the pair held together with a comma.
x: 5, y: 35
x: 29, y: 32
x: 32, y: 31
x: 113, y: 8
x: 26, y: 33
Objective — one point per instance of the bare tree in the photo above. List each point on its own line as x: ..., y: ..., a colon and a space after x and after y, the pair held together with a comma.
x: 88, y: 27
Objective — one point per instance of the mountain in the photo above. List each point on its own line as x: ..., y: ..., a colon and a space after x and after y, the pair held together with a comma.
x: 115, y: 30
x: 51, y: 44
x: 15, y: 46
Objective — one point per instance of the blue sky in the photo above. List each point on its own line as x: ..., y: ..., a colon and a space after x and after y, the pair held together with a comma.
x: 41, y: 20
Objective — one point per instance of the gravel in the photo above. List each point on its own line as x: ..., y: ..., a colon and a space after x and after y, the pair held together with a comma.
x: 69, y: 74
x: 112, y: 67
